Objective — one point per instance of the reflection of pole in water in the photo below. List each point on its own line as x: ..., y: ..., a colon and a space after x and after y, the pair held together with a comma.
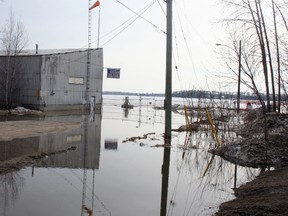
x: 126, y: 106
x: 235, y: 177
x: 6, y: 194
x: 154, y: 110
x: 165, y: 180
x: 126, y: 112
x: 93, y: 189
x: 84, y: 165
x: 140, y: 106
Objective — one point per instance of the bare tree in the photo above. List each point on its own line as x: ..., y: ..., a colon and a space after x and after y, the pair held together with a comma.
x: 277, y: 53
x: 258, y: 26
x: 13, y: 41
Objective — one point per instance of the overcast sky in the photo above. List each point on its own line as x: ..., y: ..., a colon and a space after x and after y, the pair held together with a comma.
x: 138, y: 47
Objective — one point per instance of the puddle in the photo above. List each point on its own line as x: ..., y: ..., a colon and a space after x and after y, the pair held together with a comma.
x: 116, y: 178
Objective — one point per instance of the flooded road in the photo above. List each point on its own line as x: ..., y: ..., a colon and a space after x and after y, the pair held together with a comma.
x: 118, y: 178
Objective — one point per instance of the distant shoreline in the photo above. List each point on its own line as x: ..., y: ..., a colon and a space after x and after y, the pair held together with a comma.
x: 193, y: 94
x: 133, y: 93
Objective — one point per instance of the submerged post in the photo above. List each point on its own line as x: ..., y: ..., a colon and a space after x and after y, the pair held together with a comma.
x: 168, y: 89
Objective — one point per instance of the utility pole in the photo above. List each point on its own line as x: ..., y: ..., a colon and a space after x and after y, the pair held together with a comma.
x: 167, y: 106
x: 239, y: 78
x: 168, y: 90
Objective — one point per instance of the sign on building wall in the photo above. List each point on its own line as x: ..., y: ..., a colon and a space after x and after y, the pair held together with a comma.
x: 113, y: 73
x: 76, y: 80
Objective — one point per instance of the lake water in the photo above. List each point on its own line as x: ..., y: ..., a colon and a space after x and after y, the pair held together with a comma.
x: 114, y: 176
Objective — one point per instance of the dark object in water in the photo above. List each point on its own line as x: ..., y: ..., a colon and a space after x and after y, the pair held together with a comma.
x: 127, y: 104
x: 183, y: 128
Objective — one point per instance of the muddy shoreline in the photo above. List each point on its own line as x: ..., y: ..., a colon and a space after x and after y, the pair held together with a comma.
x: 267, y: 194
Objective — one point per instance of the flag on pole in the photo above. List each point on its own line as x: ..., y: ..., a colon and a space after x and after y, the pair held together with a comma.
x: 96, y: 4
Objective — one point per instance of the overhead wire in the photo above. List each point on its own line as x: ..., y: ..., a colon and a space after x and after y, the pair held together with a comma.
x: 132, y: 19
x: 139, y: 12
x: 126, y: 26
x: 177, y: 65
x: 170, y: 211
x: 140, y: 15
x: 186, y: 42
x: 113, y: 30
x: 162, y: 8
x: 200, y: 36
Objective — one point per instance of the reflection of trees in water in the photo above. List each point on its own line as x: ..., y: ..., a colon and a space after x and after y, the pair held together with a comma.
x: 11, y: 185
x: 225, y: 123
x: 205, y: 173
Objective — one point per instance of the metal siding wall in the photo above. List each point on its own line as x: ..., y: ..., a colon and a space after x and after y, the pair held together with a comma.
x: 29, y: 85
x: 96, y: 82
x: 57, y: 68
x: 27, y: 80
x: 44, y: 79
x: 2, y: 66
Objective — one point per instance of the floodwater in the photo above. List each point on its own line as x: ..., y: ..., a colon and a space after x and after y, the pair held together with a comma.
x: 114, y: 176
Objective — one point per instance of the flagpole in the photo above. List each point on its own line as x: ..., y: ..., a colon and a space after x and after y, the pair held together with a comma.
x: 98, y: 27
x: 87, y: 98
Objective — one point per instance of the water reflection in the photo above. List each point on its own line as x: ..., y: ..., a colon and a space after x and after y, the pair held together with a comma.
x: 111, y: 144
x: 18, y: 147
x: 125, y: 179
x: 82, y: 139
x: 11, y: 185
x: 86, y: 139
x: 165, y: 179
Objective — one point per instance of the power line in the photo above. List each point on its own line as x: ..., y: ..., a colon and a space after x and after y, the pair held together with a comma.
x: 131, y: 19
x: 140, y: 15
x: 161, y: 8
